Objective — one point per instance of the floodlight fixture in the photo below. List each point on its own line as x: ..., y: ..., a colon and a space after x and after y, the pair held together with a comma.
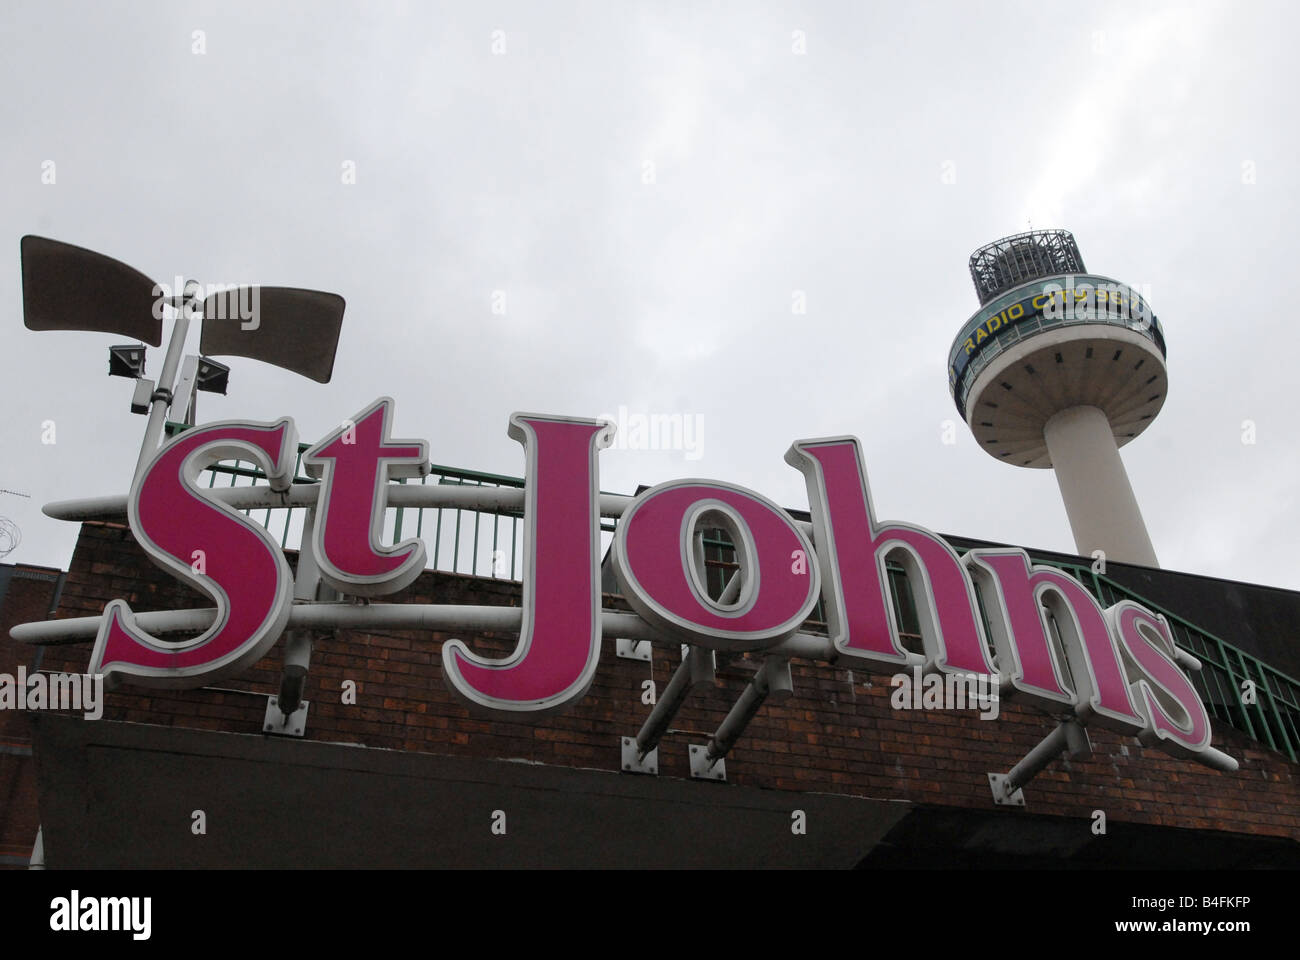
x: 66, y: 287
x: 126, y: 360
x: 213, y: 377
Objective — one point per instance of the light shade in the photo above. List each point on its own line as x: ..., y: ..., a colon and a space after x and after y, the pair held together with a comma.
x: 71, y: 288
x: 285, y: 326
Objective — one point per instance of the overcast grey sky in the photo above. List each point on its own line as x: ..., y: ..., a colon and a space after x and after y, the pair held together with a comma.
x: 655, y: 188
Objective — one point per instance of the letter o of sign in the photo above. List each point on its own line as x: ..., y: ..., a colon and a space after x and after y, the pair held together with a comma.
x: 659, y: 566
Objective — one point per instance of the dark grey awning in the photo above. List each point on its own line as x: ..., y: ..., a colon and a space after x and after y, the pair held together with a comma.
x: 70, y: 288
x: 291, y: 328
x: 299, y: 803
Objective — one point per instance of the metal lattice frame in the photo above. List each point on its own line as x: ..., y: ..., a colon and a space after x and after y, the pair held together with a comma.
x: 1011, y: 261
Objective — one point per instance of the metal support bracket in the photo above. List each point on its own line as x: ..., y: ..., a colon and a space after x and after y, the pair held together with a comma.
x: 772, y: 679
x: 1003, y: 796
x: 702, y: 768
x: 143, y: 396
x: 632, y: 649
x: 1070, y: 736
x: 276, y: 722
x: 633, y: 762
x: 307, y: 586
x: 696, y: 668
x: 704, y: 665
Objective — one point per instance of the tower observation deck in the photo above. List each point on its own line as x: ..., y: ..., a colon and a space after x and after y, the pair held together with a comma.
x: 1060, y: 368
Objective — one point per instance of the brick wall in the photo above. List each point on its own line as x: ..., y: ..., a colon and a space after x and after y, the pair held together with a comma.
x: 26, y: 593
x: 837, y: 734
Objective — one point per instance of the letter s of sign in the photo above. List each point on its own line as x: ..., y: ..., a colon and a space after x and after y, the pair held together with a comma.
x: 1177, y: 721
x: 559, y: 640
x: 245, y: 570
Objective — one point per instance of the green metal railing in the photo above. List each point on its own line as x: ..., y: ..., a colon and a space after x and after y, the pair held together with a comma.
x: 1236, y: 688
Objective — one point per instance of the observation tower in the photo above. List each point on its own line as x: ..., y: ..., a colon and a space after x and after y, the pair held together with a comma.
x: 1060, y: 368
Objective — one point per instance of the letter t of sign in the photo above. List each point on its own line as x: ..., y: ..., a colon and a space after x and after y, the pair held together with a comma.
x: 354, y: 464
x: 555, y: 659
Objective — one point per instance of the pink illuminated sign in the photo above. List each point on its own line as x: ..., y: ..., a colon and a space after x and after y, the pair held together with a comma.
x: 1116, y: 667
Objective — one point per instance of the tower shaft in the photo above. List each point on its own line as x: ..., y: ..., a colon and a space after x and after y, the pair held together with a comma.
x: 1098, y: 497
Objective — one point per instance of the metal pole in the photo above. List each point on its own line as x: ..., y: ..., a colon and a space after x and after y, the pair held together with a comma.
x: 298, y: 643
x: 772, y: 677
x: 162, y: 395
x: 1036, y: 759
x: 398, y: 616
x: 731, y: 591
x: 674, y: 695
